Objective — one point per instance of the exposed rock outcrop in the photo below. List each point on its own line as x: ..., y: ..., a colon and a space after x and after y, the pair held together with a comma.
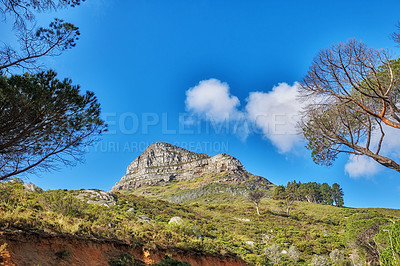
x: 176, y: 221
x: 27, y: 186
x: 161, y: 163
x: 95, y: 196
x: 31, y: 187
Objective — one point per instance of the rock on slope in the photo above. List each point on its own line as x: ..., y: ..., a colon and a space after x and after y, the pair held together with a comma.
x: 163, y: 163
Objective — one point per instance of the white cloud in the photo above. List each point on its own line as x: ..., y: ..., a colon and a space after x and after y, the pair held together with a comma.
x: 211, y: 98
x: 276, y: 113
x: 391, y: 142
x: 361, y: 166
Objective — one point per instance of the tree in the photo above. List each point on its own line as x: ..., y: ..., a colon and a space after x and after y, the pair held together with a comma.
x: 44, y: 121
x: 35, y: 43
x: 255, y: 197
x: 291, y: 194
x: 310, y: 191
x: 337, y: 195
x: 326, y: 194
x: 396, y: 34
x: 279, y: 192
x: 352, y: 95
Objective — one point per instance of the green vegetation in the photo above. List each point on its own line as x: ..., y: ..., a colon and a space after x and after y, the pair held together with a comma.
x: 225, y: 227
x: 199, y: 189
x: 255, y: 197
x: 44, y: 122
x: 125, y: 260
x: 389, y: 238
x: 310, y: 192
x: 64, y: 253
x: 169, y: 261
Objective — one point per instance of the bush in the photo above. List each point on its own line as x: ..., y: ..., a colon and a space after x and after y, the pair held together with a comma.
x: 125, y: 260
x: 169, y: 261
x: 273, y: 253
x: 64, y: 253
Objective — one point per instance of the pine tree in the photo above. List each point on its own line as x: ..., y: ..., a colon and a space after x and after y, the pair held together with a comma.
x: 337, y: 194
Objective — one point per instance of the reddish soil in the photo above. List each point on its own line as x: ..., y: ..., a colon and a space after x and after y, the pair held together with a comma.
x: 43, y: 249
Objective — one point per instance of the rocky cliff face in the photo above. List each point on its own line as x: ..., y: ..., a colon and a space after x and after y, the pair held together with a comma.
x: 162, y: 163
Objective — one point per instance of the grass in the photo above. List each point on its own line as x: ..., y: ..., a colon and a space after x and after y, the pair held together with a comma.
x: 205, y: 184
x: 213, y: 223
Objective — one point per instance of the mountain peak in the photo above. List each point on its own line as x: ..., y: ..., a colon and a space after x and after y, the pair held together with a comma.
x: 162, y: 162
x: 163, y: 154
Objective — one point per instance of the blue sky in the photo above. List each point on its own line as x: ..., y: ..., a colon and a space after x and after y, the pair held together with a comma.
x: 142, y: 57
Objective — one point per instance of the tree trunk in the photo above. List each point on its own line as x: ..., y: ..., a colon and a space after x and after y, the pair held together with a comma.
x: 308, y: 197
x: 258, y: 211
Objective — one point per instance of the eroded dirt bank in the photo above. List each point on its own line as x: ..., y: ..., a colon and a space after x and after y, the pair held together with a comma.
x: 43, y: 249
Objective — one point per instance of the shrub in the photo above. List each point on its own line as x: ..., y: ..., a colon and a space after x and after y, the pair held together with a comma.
x: 64, y: 253
x: 273, y: 253
x: 125, y: 260
x: 169, y: 261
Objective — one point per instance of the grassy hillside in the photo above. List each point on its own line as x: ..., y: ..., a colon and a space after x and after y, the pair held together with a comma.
x: 205, y: 186
x: 218, y: 223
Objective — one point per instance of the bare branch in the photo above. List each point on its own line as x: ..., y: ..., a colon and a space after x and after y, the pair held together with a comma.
x: 51, y: 41
x: 355, y: 87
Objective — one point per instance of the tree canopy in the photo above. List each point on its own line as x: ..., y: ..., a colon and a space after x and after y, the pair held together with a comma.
x: 352, y: 95
x: 310, y: 192
x: 44, y: 121
x: 255, y: 197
